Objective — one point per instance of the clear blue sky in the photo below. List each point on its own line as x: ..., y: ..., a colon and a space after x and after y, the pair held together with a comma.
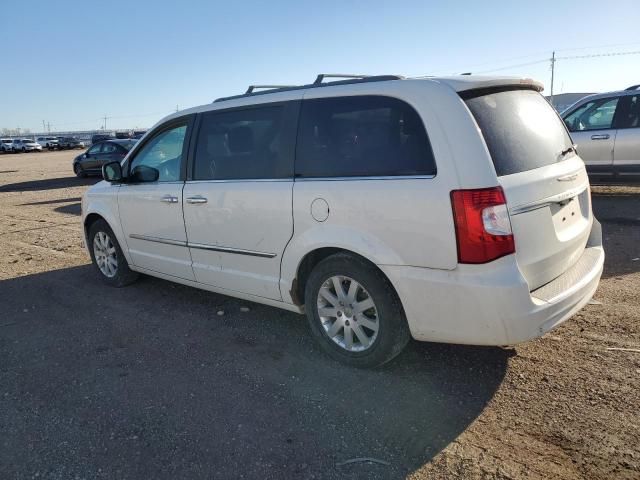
x: 70, y: 63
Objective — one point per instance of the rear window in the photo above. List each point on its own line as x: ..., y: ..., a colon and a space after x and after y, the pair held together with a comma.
x: 362, y: 136
x: 521, y: 129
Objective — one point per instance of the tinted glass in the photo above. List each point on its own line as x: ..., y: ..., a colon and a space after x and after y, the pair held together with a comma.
x: 95, y: 149
x: 594, y: 115
x: 109, y: 147
x: 242, y: 144
x: 628, y: 112
x: 521, y: 129
x: 164, y: 153
x: 361, y: 136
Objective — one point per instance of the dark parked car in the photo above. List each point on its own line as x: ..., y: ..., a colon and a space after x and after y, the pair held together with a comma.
x: 91, y: 161
x: 138, y: 134
x: 69, y: 142
x: 101, y: 137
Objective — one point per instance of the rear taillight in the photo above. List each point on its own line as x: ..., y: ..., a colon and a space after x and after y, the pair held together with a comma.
x: 483, y: 228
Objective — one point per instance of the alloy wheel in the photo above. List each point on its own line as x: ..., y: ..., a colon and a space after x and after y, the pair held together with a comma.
x: 348, y: 313
x: 105, y: 254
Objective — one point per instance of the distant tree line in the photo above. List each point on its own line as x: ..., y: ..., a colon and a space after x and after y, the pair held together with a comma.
x: 14, y: 132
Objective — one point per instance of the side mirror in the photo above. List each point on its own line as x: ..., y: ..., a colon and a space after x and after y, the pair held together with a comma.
x: 144, y: 173
x: 112, y: 172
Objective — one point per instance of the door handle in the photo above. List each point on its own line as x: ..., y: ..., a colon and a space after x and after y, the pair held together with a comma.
x: 600, y: 137
x: 197, y: 199
x: 169, y: 199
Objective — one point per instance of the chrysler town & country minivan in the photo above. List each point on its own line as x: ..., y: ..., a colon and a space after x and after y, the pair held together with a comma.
x: 444, y: 209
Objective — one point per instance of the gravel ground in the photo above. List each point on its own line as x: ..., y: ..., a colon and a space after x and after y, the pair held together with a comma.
x: 149, y: 382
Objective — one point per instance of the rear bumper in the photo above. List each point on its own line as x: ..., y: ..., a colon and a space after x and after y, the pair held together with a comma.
x: 491, y: 304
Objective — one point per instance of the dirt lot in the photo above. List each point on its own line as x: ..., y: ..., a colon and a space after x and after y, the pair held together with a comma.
x: 149, y: 382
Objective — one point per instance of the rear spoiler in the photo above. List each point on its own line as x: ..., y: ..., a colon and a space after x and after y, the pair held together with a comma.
x: 465, y: 83
x: 479, y: 92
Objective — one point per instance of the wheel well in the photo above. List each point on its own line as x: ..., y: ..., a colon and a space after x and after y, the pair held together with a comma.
x: 309, y: 262
x: 90, y: 220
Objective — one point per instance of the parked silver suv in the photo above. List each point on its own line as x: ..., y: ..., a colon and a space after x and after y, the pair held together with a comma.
x: 606, y: 129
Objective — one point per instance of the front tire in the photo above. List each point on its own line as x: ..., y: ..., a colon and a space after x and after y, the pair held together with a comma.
x: 78, y: 171
x: 107, y: 256
x: 354, y: 312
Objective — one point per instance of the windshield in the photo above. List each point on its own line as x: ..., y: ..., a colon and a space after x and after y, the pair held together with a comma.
x: 7, y: 141
x: 27, y: 140
x: 521, y: 129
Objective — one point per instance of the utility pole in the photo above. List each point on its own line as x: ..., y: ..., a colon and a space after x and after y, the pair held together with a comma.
x: 176, y: 107
x: 48, y: 127
x: 104, y: 127
x: 43, y: 127
x: 553, y: 67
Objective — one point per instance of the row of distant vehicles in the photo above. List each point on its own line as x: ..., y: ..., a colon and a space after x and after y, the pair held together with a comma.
x: 24, y: 145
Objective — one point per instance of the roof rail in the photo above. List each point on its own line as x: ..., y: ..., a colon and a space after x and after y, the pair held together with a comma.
x: 317, y: 83
x: 270, y: 87
x: 633, y: 87
x: 322, y: 76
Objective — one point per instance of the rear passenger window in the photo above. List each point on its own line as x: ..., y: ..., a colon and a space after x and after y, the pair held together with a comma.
x: 628, y: 112
x: 361, y: 136
x: 242, y: 144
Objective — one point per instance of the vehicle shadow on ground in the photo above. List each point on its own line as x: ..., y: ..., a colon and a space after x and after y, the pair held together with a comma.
x: 49, y: 202
x: 71, y: 209
x: 49, y: 184
x: 619, y: 214
x: 151, y: 381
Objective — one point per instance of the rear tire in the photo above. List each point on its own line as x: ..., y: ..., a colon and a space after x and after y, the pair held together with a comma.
x: 107, y: 256
x: 363, y: 325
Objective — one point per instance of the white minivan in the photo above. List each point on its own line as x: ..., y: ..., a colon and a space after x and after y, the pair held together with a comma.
x: 444, y: 209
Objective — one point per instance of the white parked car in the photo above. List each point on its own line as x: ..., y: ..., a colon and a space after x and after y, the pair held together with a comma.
x: 50, y: 143
x: 443, y: 209
x: 6, y: 145
x: 26, y: 145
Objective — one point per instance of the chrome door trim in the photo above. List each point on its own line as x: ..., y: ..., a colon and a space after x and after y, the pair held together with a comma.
x: 239, y: 251
x: 203, y: 246
x: 166, y: 241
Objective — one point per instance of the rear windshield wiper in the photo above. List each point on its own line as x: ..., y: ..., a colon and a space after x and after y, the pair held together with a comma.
x: 573, y: 148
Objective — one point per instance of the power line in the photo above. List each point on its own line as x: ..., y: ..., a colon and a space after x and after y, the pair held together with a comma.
x: 593, y: 55
x: 514, y: 66
x: 594, y: 47
x: 535, y: 62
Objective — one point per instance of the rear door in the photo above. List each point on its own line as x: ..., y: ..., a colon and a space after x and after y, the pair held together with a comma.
x: 111, y: 152
x: 238, y: 199
x: 592, y: 129
x: 626, y: 154
x: 545, y: 182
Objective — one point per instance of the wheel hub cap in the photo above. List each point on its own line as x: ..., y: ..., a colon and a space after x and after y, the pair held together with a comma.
x: 348, y: 313
x: 104, y: 252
